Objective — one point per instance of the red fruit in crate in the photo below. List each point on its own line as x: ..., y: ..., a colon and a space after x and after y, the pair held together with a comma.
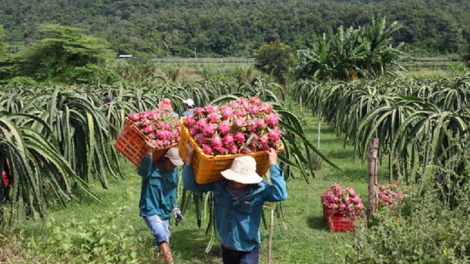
x: 224, y: 127
x: 216, y: 141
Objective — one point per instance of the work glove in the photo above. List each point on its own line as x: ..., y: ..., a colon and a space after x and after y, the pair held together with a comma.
x: 177, y: 214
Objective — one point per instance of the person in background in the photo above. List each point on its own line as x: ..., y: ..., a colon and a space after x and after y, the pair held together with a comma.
x: 189, y: 104
x: 165, y: 104
x: 6, y: 176
x: 238, y: 203
x: 107, y: 99
x: 158, y: 196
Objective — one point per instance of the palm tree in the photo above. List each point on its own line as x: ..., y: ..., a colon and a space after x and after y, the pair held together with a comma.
x: 365, y: 52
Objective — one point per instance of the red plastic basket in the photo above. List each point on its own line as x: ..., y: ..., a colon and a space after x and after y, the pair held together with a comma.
x: 340, y: 221
x: 207, y: 168
x: 131, y: 143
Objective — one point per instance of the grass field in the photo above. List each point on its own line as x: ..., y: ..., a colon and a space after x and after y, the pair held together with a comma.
x: 300, y: 236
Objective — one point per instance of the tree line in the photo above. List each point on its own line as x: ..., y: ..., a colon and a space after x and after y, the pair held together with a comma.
x: 221, y: 28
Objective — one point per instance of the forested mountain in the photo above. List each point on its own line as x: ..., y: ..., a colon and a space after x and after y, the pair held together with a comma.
x: 219, y: 28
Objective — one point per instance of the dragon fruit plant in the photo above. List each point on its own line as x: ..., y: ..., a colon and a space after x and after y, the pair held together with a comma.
x: 159, y: 125
x: 389, y: 194
x: 344, y: 199
x: 242, y: 126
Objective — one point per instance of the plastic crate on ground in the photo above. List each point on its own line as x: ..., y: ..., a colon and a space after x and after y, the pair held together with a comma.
x: 207, y: 168
x: 131, y: 143
x: 340, y: 221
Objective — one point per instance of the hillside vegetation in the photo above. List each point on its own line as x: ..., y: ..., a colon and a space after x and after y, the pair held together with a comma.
x: 221, y: 28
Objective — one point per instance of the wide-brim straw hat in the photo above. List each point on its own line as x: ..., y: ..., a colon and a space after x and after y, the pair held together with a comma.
x: 243, y: 170
x: 165, y: 105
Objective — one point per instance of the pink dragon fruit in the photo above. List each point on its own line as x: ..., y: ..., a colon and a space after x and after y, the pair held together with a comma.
x: 134, y: 117
x: 209, y: 129
x: 260, y: 124
x: 143, y: 115
x: 350, y: 207
x: 210, y: 109
x: 239, y: 122
x: 245, y: 150
x: 198, y: 111
x: 206, y: 149
x: 227, y: 113
x: 233, y: 149
x: 193, y: 131
x: 272, y: 120
x: 254, y: 110
x: 201, y: 123
x: 201, y: 139
x: 255, y: 100
x: 266, y: 108
x: 239, y: 138
x: 221, y: 151
x: 145, y: 122
x: 228, y: 140
x: 240, y: 112
x: 160, y: 134
x: 233, y: 104
x: 153, y: 116
x: 250, y: 125
x: 334, y: 199
x: 274, y: 134
x: 356, y: 200
x: 224, y: 127
x: 189, y: 121
x: 148, y: 129
x: 213, y: 117
x: 216, y: 141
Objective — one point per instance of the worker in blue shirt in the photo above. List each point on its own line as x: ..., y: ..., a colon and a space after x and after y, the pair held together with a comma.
x: 159, y: 194
x: 189, y: 104
x: 238, y: 203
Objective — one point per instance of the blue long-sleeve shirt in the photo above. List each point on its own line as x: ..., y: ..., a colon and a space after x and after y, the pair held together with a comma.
x: 188, y: 112
x: 158, y: 194
x: 238, y: 221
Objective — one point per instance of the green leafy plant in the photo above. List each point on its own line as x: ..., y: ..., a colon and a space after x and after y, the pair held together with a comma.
x: 274, y: 58
x: 97, y: 241
x: 63, y: 55
x: 352, y: 53
x: 425, y: 228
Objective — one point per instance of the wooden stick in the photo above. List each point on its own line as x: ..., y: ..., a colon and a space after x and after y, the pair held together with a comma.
x: 372, y: 205
x: 271, y: 229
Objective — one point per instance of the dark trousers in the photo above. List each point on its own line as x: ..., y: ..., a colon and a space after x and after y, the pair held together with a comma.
x: 230, y: 256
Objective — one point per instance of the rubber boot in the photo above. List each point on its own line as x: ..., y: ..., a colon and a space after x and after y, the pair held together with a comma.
x: 165, y: 253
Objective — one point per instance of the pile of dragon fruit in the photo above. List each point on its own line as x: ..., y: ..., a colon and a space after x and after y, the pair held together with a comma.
x: 159, y: 125
x: 242, y: 126
x: 389, y: 195
x: 343, y: 199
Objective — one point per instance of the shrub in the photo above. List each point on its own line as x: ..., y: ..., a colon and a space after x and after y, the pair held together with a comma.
x: 98, y: 241
x: 274, y: 58
x: 425, y: 229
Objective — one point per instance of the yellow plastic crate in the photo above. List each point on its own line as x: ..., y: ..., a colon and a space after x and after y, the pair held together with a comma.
x: 207, y: 168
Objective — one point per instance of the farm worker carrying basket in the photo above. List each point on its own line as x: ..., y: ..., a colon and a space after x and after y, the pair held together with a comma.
x: 159, y: 194
x: 238, y: 203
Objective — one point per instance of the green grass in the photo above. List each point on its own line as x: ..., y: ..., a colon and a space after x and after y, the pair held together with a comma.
x: 300, y: 236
